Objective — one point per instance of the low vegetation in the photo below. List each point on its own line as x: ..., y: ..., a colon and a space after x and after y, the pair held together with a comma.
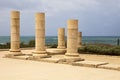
x: 87, y: 49
x: 22, y: 45
x: 52, y: 45
x: 31, y: 43
x: 100, y: 49
x: 5, y: 46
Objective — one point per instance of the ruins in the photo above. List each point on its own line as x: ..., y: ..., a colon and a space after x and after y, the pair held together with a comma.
x: 15, y: 33
x: 40, y: 35
x: 72, y: 35
x: 61, y: 38
x: 61, y: 54
x: 79, y: 39
x: 70, y: 54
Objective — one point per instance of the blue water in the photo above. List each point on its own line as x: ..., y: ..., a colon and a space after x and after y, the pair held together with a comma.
x: 53, y: 39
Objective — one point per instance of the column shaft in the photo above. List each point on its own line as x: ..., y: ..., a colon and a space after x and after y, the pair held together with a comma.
x: 79, y: 39
x: 61, y: 38
x: 40, y: 33
x: 72, y: 38
x: 15, y: 31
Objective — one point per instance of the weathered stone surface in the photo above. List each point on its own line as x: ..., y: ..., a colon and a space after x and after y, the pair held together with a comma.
x: 65, y: 60
x: 24, y: 57
x: 90, y: 63
x: 61, y: 38
x: 72, y: 38
x: 39, y: 56
x: 40, y: 35
x: 110, y: 66
x: 55, y: 51
x: 12, y: 54
x: 12, y: 69
x: 70, y: 60
x: 53, y: 60
x: 79, y: 39
x: 15, y: 32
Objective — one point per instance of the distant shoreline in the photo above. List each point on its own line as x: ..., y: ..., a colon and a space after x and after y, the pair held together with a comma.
x: 56, y: 36
x: 53, y: 39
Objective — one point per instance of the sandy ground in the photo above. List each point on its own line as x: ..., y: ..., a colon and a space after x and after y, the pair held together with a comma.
x: 13, y: 69
x: 104, y: 58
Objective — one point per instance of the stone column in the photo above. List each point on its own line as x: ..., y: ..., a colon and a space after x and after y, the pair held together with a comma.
x: 79, y: 39
x: 40, y: 35
x: 15, y: 31
x: 72, y: 38
x: 61, y: 38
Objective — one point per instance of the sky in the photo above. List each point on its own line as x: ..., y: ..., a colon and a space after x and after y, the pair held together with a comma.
x: 96, y: 17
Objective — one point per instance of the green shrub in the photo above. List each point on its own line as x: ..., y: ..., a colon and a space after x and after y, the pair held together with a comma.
x: 100, y: 49
x: 5, y: 46
x: 31, y: 43
x: 52, y: 45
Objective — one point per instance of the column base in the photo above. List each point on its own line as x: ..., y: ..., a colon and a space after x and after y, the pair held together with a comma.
x: 55, y: 51
x: 40, y: 54
x: 70, y: 60
x: 14, y: 50
x: 11, y: 54
x: 72, y: 54
x: 60, y: 47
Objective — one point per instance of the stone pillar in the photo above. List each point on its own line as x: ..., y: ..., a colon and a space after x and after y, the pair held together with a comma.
x: 61, y: 38
x: 79, y: 39
x: 40, y: 35
x: 72, y: 38
x: 15, y: 32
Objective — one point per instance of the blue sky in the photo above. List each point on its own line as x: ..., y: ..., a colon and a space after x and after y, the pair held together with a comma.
x: 96, y: 17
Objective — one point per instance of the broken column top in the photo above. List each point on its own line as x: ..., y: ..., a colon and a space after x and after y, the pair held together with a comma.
x: 72, y: 24
x: 79, y: 33
x: 15, y: 14
x: 40, y: 16
x: 61, y: 29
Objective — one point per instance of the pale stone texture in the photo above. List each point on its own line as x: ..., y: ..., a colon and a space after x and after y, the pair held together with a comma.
x: 53, y: 60
x: 15, y: 32
x: 111, y: 66
x: 55, y: 51
x: 90, y: 63
x: 79, y: 39
x: 72, y: 38
x: 40, y: 35
x: 61, y: 38
x: 97, y: 61
x: 12, y: 69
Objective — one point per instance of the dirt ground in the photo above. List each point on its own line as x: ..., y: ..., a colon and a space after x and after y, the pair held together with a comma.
x: 105, y: 58
x: 90, y: 57
x: 14, y: 69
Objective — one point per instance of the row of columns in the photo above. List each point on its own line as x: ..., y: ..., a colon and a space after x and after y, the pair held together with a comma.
x: 73, y: 37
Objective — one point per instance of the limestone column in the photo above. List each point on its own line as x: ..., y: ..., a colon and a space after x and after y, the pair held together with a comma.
x: 15, y: 31
x: 79, y: 39
x: 61, y: 38
x: 72, y: 38
x: 40, y: 35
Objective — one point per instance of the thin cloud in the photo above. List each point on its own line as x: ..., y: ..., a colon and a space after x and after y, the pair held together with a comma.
x: 49, y: 6
x: 93, y: 14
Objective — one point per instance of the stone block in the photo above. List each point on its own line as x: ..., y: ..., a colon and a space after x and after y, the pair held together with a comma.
x: 55, y: 51
x: 110, y: 66
x: 53, y: 60
x: 94, y: 64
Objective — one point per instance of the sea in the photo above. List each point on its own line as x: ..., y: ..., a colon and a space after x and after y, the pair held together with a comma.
x: 112, y: 40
